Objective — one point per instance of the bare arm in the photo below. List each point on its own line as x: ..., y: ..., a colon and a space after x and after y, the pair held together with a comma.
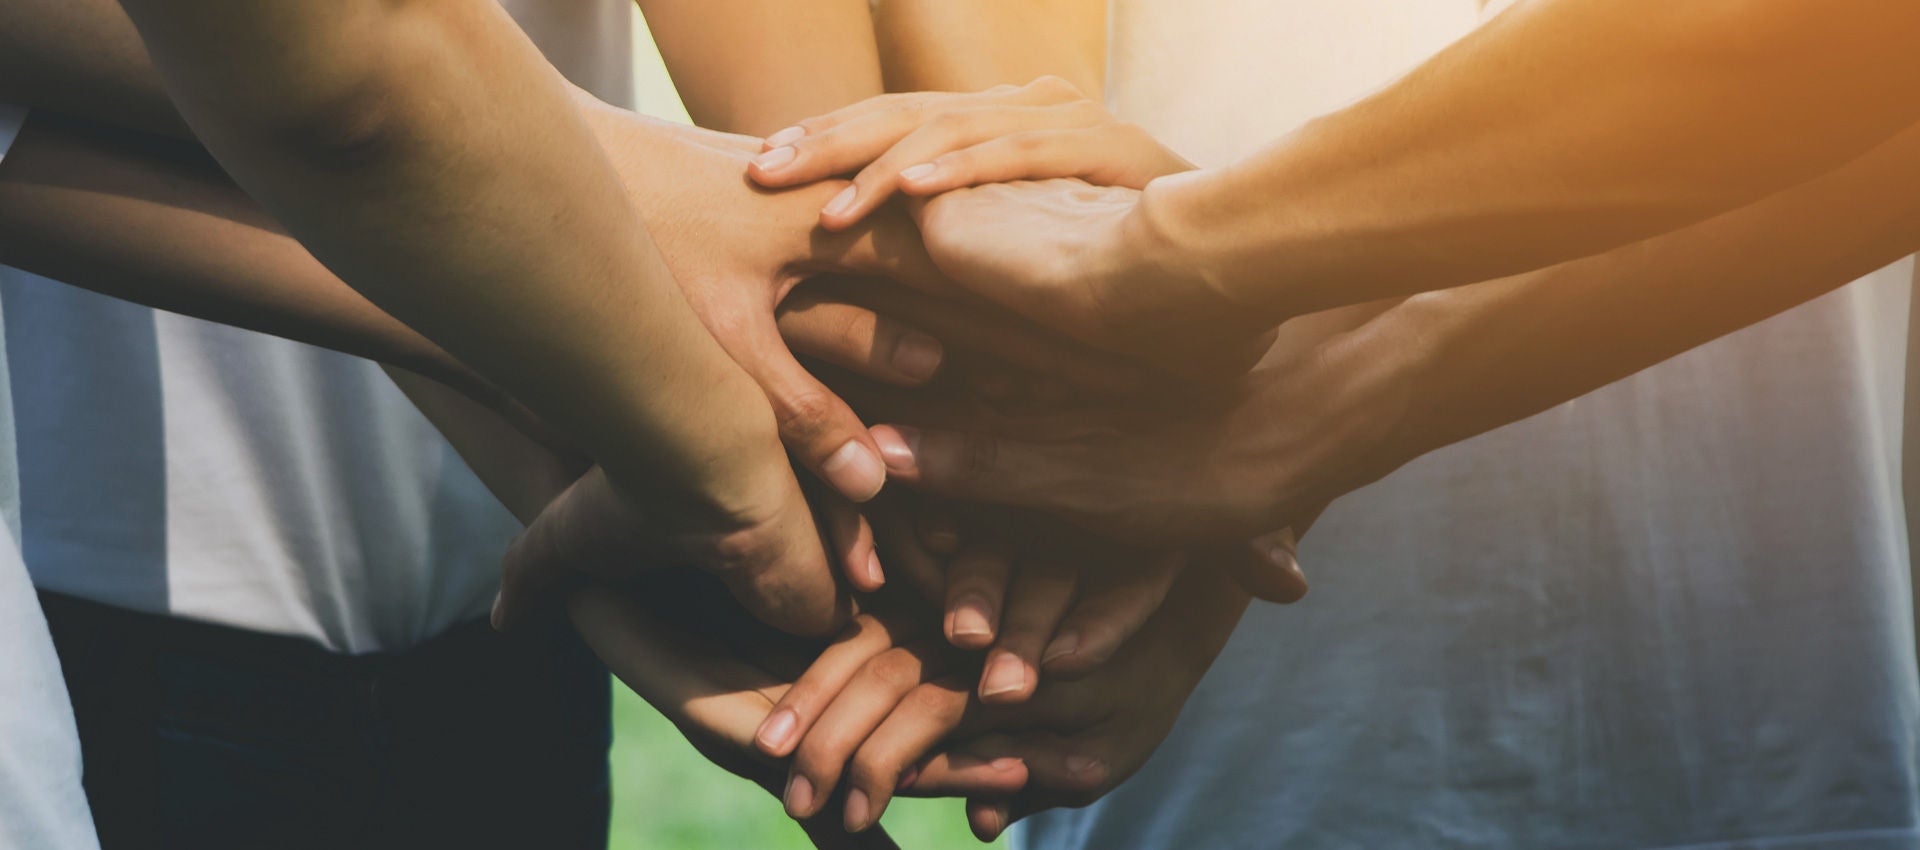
x: 84, y: 58
x: 163, y: 226
x: 943, y: 45
x: 754, y: 66
x: 1560, y: 129
x: 428, y: 154
x: 1350, y: 406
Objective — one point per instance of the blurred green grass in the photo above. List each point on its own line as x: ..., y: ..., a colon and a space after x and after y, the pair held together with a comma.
x: 665, y: 795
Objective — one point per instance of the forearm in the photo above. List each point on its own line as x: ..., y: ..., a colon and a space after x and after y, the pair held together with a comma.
x: 1560, y: 129
x: 82, y: 58
x: 951, y: 45
x: 500, y: 232
x: 127, y: 218
x: 755, y: 66
x: 1481, y: 356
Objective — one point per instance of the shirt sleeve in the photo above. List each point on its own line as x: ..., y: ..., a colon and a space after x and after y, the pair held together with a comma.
x: 11, y: 117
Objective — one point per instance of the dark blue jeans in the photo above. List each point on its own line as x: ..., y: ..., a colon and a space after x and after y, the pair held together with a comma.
x: 202, y: 737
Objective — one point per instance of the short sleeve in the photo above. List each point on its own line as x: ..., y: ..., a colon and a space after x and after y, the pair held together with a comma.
x: 11, y: 117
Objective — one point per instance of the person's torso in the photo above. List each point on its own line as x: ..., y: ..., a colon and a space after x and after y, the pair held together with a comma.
x: 1672, y: 613
x: 173, y: 465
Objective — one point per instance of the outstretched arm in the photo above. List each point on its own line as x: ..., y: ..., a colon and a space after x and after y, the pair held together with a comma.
x: 1351, y: 405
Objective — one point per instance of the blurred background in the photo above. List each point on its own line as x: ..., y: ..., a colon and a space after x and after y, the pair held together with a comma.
x: 665, y: 795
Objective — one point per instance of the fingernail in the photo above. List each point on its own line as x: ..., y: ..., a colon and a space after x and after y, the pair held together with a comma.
x: 856, y: 810
x: 775, y: 159
x: 855, y: 471
x: 908, y: 776
x: 917, y: 355
x: 874, y: 576
x: 970, y: 617
x: 898, y: 448
x: 841, y: 202
x: 1082, y: 764
x: 786, y: 137
x: 799, y: 797
x: 776, y: 730
x: 1005, y: 763
x: 495, y: 617
x: 918, y: 172
x: 1064, y: 645
x: 1005, y: 674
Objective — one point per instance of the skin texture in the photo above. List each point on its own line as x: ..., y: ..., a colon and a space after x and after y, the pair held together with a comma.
x: 1344, y: 403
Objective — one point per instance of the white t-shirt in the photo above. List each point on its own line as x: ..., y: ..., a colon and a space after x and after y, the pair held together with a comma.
x: 1674, y: 613
x: 42, y: 805
x: 177, y: 466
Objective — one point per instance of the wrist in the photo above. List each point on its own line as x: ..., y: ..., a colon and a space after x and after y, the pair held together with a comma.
x: 1159, y: 281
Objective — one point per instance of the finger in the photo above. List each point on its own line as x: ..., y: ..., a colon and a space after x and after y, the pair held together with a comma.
x: 1033, y: 155
x: 939, y: 529
x: 1266, y: 567
x: 853, y: 714
x: 924, y: 570
x: 583, y: 527
x: 863, y: 639
x: 858, y: 339
x: 821, y: 431
x: 777, y: 568
x: 1114, y: 606
x: 990, y: 329
x: 844, y: 140
x: 976, y: 587
x: 1072, y: 766
x: 957, y: 774
x: 983, y: 468
x: 927, y: 714
x: 853, y: 541
x: 1037, y: 599
x: 988, y: 818
x: 949, y: 131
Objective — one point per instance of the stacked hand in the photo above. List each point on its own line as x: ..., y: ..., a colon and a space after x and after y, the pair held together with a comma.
x: 1013, y: 594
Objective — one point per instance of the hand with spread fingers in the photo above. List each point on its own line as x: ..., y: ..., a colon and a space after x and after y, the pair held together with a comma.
x: 925, y: 143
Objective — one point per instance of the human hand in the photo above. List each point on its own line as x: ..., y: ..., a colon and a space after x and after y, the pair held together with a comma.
x: 737, y: 251
x: 1080, y: 740
x: 891, y: 707
x: 1321, y: 419
x: 1093, y: 263
x: 925, y: 143
x: 715, y: 673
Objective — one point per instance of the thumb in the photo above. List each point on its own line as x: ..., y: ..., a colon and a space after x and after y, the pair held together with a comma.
x: 817, y: 426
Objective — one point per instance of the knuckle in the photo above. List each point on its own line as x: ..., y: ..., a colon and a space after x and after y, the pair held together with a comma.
x: 895, y: 669
x: 804, y: 416
x: 873, y: 770
x: 929, y: 700
x: 744, y: 551
x: 978, y: 456
x: 1055, y: 86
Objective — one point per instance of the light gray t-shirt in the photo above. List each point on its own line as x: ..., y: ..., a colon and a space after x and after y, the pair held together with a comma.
x: 177, y: 466
x: 1675, y: 613
x: 42, y: 805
